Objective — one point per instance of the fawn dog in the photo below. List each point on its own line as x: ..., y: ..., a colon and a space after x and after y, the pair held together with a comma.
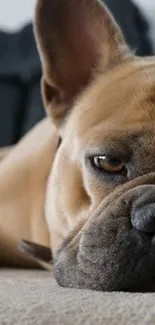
x: 91, y: 200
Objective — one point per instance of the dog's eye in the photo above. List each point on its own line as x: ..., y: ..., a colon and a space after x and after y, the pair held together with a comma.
x: 108, y: 164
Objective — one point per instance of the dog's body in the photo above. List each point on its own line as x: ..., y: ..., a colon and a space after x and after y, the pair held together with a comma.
x: 23, y: 193
x: 96, y: 188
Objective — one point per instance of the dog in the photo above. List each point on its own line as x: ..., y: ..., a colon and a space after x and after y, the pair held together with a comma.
x: 78, y: 190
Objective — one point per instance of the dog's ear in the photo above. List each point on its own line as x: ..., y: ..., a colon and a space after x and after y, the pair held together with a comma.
x: 75, y: 39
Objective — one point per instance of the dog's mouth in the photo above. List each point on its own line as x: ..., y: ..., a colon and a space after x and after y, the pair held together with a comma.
x: 126, y: 264
x: 115, y: 251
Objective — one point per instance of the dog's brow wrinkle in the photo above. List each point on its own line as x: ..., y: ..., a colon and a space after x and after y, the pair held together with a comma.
x: 120, y: 142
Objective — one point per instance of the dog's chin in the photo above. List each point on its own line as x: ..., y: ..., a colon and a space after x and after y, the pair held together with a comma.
x: 108, y: 255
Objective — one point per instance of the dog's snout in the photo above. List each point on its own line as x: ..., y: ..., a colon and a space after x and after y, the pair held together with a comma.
x: 143, y: 212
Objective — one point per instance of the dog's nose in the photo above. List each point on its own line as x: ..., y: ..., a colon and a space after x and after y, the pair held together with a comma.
x: 143, y: 212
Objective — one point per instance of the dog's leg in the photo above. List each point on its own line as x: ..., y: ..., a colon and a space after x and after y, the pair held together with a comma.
x: 23, y: 177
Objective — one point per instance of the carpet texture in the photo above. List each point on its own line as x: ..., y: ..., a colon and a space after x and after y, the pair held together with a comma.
x: 33, y: 297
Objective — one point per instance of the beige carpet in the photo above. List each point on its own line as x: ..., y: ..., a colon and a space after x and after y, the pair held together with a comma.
x: 33, y: 297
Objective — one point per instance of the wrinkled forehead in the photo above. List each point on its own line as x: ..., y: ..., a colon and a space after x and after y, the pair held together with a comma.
x: 123, y: 99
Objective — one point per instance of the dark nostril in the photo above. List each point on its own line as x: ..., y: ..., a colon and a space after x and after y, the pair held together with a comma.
x: 143, y: 212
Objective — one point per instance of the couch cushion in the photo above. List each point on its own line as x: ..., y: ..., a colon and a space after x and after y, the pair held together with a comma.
x: 33, y: 297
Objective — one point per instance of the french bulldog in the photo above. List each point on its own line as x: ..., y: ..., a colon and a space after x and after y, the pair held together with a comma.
x: 79, y: 189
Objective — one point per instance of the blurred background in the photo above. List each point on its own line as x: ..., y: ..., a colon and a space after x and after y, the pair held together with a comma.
x: 20, y: 70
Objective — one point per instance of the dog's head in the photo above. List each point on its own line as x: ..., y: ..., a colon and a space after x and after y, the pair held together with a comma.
x: 101, y: 98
